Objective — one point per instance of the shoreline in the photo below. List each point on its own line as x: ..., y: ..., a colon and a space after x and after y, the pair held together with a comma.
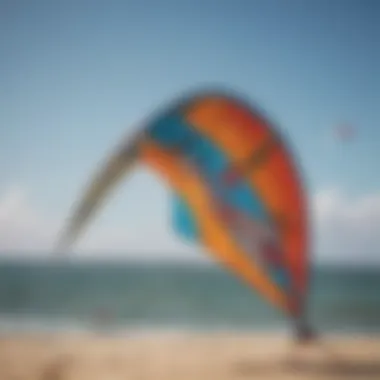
x: 14, y: 324
x: 141, y: 331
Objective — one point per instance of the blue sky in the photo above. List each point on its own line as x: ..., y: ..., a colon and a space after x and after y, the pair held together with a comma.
x: 75, y: 75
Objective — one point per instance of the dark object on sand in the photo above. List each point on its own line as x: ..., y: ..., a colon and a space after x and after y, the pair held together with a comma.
x: 305, y: 334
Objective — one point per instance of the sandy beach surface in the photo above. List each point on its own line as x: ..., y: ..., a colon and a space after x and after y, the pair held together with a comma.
x: 177, y: 356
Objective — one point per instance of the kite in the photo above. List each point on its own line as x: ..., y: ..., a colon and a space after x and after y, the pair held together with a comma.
x: 237, y: 192
x: 344, y: 133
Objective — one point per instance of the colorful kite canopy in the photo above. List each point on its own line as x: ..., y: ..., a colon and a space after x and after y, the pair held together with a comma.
x: 237, y: 191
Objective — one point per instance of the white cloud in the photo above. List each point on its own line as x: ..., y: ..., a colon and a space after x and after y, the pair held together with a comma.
x: 21, y: 226
x: 345, y: 230
x: 25, y: 230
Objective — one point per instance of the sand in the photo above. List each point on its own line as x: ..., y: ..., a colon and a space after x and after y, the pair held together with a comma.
x: 195, y: 356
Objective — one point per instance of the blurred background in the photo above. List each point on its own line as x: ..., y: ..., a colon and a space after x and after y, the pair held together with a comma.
x: 76, y: 76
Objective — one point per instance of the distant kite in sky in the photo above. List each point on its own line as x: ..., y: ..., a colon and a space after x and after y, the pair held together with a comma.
x: 236, y: 189
x: 344, y: 133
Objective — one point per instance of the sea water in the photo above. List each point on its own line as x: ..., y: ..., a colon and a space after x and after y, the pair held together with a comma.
x: 131, y: 295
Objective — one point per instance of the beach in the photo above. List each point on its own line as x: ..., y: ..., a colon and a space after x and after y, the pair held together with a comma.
x: 172, y: 322
x: 187, y: 355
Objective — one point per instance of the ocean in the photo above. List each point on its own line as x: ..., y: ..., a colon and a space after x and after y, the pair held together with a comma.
x: 130, y: 295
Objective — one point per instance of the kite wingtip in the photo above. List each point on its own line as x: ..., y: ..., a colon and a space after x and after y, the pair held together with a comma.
x: 305, y: 333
